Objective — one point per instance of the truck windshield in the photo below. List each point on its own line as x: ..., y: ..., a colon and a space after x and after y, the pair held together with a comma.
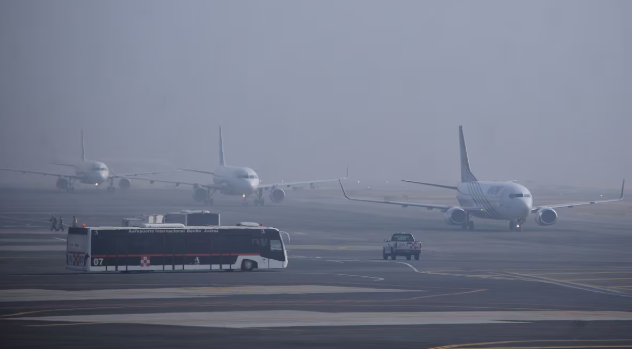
x: 402, y: 237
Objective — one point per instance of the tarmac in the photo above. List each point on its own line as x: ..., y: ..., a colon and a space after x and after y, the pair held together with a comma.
x: 563, y: 286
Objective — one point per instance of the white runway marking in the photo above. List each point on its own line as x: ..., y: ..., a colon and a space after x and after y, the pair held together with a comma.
x: 33, y: 295
x: 291, y: 318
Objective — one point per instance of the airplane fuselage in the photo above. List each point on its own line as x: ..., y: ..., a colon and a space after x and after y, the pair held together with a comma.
x: 498, y: 200
x: 92, y: 172
x: 235, y: 180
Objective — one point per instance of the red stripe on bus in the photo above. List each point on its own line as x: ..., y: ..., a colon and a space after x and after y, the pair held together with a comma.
x: 174, y: 255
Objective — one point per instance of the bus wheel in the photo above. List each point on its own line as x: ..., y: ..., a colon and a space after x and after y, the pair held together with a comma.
x: 248, y: 265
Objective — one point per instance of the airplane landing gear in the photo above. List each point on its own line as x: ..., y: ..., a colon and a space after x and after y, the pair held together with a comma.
x: 259, y: 200
x: 468, y: 224
x: 209, y: 200
x: 517, y: 225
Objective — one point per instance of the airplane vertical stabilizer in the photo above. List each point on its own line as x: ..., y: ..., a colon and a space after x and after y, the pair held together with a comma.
x: 467, y: 176
x: 222, y: 163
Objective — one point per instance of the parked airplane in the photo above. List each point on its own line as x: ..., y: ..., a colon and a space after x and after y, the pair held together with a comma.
x: 87, y: 172
x: 492, y: 200
x: 238, y: 181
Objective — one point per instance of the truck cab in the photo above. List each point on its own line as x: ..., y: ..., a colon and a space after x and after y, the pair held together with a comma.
x: 402, y: 244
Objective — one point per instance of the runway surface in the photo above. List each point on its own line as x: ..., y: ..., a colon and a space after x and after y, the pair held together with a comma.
x: 566, y: 286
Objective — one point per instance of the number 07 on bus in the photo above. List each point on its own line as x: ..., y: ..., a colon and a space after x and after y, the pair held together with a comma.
x: 113, y: 249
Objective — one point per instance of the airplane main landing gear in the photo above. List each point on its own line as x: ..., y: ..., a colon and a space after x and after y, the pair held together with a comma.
x: 209, y: 200
x: 259, y: 200
x: 468, y: 224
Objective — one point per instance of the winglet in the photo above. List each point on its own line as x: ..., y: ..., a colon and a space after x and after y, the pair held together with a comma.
x: 622, y: 190
x: 222, y: 163
x: 343, y: 189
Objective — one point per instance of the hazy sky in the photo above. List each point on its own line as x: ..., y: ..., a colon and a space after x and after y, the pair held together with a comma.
x: 302, y: 88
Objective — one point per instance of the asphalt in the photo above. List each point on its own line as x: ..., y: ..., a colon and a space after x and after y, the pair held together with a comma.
x: 565, y: 286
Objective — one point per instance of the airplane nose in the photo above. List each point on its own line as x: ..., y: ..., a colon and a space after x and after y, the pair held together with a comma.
x: 524, y: 208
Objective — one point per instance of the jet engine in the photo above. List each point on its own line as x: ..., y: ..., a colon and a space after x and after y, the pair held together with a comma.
x: 200, y: 194
x: 196, y: 186
x: 546, y: 216
x: 455, y: 216
x: 124, y: 183
x: 277, y: 195
x: 62, y: 183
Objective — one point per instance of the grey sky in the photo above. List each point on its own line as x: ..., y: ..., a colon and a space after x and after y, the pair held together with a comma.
x: 542, y: 88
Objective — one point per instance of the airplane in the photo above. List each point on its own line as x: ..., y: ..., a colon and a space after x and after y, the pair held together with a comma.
x: 505, y: 200
x: 87, y: 172
x: 236, y: 181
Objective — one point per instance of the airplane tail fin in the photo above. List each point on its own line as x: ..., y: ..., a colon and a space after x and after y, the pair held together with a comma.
x: 467, y: 176
x: 222, y: 163
x: 83, y: 149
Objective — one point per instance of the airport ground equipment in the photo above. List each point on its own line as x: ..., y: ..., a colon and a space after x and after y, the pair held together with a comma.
x: 143, y: 219
x: 402, y: 244
x: 193, y: 218
x: 127, y: 249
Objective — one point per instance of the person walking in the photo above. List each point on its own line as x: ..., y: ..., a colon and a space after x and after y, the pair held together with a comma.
x: 61, y: 224
x: 53, y: 221
x: 74, y: 221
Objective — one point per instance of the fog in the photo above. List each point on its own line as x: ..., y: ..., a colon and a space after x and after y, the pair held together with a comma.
x: 303, y: 88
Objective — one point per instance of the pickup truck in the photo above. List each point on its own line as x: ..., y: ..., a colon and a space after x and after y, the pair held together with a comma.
x: 402, y: 244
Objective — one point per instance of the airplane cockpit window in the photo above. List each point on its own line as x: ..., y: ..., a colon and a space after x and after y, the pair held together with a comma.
x: 242, y: 176
x: 516, y: 196
x: 252, y: 176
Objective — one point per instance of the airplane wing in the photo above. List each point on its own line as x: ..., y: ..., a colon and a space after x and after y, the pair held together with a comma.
x: 400, y: 203
x: 290, y: 184
x: 536, y: 208
x: 198, y: 171
x: 137, y: 174
x: 39, y: 173
x: 431, y: 184
x: 60, y: 164
x: 177, y: 183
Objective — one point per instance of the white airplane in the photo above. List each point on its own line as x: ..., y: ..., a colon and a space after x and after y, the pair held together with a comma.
x: 237, y: 181
x: 507, y: 200
x: 87, y: 172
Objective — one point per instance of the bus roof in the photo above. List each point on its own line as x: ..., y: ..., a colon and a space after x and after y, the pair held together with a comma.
x: 186, y: 227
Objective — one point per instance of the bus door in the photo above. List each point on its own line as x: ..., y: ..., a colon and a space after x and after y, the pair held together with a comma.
x: 220, y: 252
x: 175, y: 250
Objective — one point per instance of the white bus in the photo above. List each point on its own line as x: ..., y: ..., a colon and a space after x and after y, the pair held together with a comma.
x: 121, y: 249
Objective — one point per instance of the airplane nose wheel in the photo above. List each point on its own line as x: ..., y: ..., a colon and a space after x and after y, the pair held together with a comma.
x: 516, y: 225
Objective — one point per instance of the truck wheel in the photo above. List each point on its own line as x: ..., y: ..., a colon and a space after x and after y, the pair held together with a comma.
x: 393, y: 256
x: 408, y: 257
x: 417, y: 256
x: 384, y: 255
